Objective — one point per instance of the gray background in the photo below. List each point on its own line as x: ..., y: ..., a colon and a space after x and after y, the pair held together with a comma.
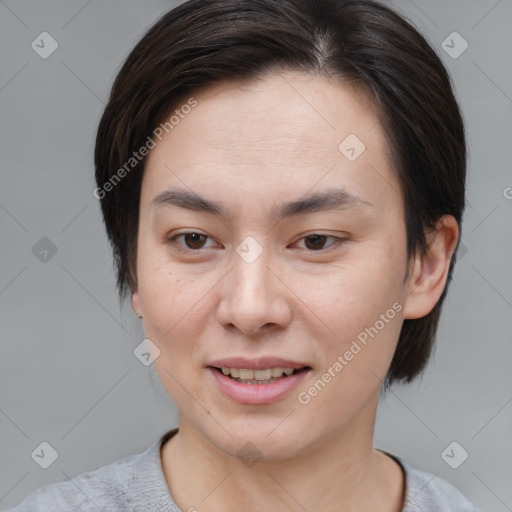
x: 68, y: 374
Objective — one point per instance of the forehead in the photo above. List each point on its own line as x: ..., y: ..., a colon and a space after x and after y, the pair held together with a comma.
x: 284, y: 133
x: 282, y: 112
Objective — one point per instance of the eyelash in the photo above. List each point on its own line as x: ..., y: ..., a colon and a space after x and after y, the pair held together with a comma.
x: 338, y: 241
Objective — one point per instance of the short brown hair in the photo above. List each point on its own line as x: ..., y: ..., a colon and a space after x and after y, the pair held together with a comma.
x: 204, y: 42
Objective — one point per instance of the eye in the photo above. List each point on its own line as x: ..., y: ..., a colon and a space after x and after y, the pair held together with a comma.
x: 193, y: 240
x: 316, y: 241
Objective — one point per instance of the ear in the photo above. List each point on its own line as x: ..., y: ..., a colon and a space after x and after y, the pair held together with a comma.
x: 135, y: 300
x: 429, y: 273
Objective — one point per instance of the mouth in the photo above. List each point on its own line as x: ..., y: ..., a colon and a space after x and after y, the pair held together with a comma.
x: 259, y: 377
x: 263, y: 385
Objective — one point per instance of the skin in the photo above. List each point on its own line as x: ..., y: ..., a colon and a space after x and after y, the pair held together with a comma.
x: 251, y: 146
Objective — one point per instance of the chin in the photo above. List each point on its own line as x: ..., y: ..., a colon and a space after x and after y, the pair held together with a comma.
x: 250, y: 440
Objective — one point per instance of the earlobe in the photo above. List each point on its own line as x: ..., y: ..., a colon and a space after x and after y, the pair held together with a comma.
x: 135, y: 300
x: 429, y: 273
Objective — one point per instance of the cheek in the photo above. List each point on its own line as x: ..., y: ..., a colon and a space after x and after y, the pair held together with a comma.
x: 352, y: 295
x: 171, y: 301
x: 174, y: 320
x: 355, y: 359
x: 360, y: 304
x: 174, y: 304
x: 164, y: 289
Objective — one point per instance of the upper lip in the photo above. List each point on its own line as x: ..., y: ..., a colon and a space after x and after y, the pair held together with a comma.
x: 257, y: 363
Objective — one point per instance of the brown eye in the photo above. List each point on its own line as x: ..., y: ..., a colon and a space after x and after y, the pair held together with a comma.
x: 193, y: 241
x: 315, y: 242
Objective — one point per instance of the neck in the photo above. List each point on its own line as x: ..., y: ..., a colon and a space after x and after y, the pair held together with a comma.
x: 338, y: 472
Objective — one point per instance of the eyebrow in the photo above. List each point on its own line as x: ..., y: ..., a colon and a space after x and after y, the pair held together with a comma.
x: 332, y: 199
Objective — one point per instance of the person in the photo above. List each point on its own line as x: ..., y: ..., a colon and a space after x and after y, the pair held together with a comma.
x: 283, y: 184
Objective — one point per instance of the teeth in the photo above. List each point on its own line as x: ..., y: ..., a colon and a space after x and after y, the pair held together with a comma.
x: 277, y: 372
x: 262, y: 374
x: 246, y: 374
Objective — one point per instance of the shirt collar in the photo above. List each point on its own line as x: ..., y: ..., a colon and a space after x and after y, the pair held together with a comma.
x: 149, y: 490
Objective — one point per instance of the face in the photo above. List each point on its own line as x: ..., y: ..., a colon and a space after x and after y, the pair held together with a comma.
x: 299, y: 263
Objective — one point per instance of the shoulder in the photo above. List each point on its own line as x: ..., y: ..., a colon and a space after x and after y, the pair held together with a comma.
x: 428, y: 492
x: 106, y: 488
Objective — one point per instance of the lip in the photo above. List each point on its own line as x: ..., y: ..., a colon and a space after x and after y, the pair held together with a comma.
x: 258, y: 363
x: 257, y: 394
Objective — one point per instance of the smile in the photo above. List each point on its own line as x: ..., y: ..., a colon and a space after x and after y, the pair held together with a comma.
x: 266, y: 376
x: 254, y: 387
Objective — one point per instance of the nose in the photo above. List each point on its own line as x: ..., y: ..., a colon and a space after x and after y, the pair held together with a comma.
x: 254, y: 297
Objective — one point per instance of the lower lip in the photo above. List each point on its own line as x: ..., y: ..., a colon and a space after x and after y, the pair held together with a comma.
x: 255, y: 394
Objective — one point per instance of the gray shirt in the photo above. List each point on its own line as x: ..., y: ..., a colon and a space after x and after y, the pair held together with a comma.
x: 137, y: 483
